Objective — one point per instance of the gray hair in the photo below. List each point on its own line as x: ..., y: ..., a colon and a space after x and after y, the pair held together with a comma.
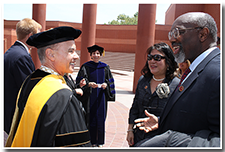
x: 41, y: 51
x: 202, y: 20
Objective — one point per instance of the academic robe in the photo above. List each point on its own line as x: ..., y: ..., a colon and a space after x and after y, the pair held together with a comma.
x: 95, y: 100
x: 70, y: 82
x: 73, y: 85
x: 47, y: 114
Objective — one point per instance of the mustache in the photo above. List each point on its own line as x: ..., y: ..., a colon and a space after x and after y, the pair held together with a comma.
x: 177, y: 44
x: 174, y: 43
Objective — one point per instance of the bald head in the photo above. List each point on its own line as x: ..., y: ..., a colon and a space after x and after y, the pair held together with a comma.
x: 191, y: 34
x: 201, y: 20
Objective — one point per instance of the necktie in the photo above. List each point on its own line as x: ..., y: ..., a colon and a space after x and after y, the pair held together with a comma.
x: 183, y: 77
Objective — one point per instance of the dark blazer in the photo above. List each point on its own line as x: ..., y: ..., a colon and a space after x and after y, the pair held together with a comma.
x: 144, y: 99
x: 197, y: 107
x: 17, y: 66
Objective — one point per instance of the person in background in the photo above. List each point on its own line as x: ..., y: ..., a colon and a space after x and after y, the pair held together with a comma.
x: 158, y: 72
x: 100, y: 90
x: 183, y: 66
x: 218, y: 42
x: 18, y: 65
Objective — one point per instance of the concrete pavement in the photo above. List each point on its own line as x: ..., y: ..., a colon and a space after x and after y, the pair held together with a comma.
x: 117, y: 118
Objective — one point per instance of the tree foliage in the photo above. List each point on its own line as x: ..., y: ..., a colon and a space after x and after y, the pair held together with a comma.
x: 123, y: 19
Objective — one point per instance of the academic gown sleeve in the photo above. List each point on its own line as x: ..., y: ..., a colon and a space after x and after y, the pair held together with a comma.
x: 61, y: 122
x: 66, y: 134
x: 71, y: 84
x: 110, y: 90
x: 84, y: 73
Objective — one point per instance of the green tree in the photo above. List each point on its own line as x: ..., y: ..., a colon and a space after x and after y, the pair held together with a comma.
x: 123, y: 19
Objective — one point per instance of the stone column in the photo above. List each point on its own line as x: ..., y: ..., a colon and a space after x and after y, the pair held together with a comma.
x: 39, y: 15
x: 145, y: 37
x: 88, y: 30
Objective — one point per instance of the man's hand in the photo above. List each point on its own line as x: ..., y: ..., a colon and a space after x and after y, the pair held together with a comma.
x: 147, y: 124
x: 82, y: 82
x: 79, y: 91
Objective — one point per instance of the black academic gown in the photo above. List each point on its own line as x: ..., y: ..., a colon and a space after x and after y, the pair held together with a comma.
x: 70, y: 82
x: 60, y: 122
x: 95, y: 99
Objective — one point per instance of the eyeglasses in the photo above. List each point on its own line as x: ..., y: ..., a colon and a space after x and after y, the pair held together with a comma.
x: 175, y: 33
x: 156, y: 57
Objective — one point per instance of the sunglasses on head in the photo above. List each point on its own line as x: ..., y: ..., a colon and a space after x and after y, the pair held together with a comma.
x: 156, y: 57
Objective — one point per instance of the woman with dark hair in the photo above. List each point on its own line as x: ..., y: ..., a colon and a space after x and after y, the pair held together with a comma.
x: 154, y: 87
x: 100, y: 89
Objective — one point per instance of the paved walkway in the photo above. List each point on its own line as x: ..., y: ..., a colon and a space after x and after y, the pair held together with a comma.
x: 117, y: 118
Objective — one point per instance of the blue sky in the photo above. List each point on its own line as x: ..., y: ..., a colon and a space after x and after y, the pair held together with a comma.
x: 72, y: 12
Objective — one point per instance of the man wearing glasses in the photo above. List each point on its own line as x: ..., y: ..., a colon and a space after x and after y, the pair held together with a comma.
x: 191, y: 117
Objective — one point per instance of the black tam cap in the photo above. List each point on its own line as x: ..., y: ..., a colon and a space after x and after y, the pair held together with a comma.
x: 94, y: 48
x: 52, y: 36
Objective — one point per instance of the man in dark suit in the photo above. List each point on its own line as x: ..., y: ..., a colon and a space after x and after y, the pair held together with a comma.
x: 18, y: 65
x: 192, y: 114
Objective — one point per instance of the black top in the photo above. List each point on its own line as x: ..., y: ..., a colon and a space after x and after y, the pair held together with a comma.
x: 145, y: 100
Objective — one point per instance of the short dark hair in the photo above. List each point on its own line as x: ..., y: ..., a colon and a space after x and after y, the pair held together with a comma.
x: 92, y: 51
x: 170, y: 60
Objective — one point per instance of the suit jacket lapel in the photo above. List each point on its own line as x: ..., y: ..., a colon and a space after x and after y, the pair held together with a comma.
x: 176, y: 95
x: 194, y: 75
x: 173, y: 85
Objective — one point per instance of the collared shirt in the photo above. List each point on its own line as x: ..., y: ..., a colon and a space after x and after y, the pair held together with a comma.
x: 198, y: 60
x: 24, y: 46
x: 47, y: 69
